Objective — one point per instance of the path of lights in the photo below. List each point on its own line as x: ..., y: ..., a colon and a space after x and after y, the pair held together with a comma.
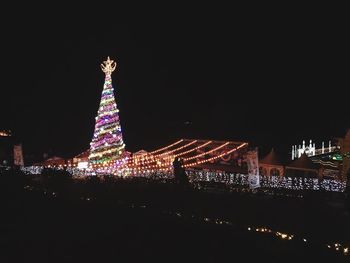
x: 337, y: 247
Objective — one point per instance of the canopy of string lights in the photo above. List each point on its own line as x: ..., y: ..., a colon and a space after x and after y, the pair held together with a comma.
x: 193, y: 153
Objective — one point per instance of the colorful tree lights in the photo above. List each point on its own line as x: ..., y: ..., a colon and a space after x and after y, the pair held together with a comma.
x: 107, y: 143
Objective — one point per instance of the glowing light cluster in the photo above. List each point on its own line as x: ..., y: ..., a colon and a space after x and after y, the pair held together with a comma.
x: 107, y: 144
x: 284, y: 236
x: 5, y: 133
x: 340, y: 248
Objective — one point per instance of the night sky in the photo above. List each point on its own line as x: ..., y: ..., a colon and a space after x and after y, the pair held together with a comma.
x: 226, y: 75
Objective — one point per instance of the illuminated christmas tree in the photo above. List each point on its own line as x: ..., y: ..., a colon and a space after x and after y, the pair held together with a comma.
x: 107, y: 144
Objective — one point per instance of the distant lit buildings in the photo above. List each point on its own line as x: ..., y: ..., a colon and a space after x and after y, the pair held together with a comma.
x: 6, y: 148
x: 303, y: 167
x: 344, y: 144
x: 310, y: 150
x: 327, y: 161
x: 271, y: 165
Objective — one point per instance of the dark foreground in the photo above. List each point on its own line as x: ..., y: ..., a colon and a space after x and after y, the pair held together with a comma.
x: 145, y: 221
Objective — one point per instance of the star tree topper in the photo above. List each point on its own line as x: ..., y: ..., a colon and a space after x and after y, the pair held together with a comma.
x: 108, y: 66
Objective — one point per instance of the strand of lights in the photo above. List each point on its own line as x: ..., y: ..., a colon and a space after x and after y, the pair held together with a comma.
x: 154, y: 158
x: 178, y: 149
x: 112, y: 150
x: 159, y: 164
x: 142, y: 171
x: 165, y: 153
x: 166, y: 147
x: 284, y: 236
x: 326, y: 163
x: 194, y: 149
x: 169, y: 152
x: 205, y: 153
x: 199, y: 162
x: 215, y: 157
x: 143, y: 161
x: 107, y: 141
x: 268, y: 182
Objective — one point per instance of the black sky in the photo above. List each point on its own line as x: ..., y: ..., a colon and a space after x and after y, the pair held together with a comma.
x: 270, y: 77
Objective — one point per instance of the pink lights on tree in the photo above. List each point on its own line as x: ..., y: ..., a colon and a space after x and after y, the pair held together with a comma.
x: 107, y: 143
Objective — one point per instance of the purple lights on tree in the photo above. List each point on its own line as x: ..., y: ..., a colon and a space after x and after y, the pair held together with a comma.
x: 107, y: 144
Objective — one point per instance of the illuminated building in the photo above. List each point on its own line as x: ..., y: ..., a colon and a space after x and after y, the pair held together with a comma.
x: 303, y: 167
x: 82, y: 160
x: 344, y: 144
x: 310, y: 150
x: 271, y: 165
x: 334, y: 160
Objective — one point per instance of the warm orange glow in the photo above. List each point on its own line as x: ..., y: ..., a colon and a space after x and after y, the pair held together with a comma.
x: 5, y: 134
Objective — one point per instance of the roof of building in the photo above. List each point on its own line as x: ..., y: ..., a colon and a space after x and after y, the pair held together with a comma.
x: 55, y: 160
x: 140, y: 152
x: 303, y: 162
x: 347, y: 136
x: 271, y: 159
x: 84, y: 154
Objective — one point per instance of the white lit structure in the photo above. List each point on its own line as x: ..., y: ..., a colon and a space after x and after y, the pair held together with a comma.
x: 311, y: 150
x: 83, y: 165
